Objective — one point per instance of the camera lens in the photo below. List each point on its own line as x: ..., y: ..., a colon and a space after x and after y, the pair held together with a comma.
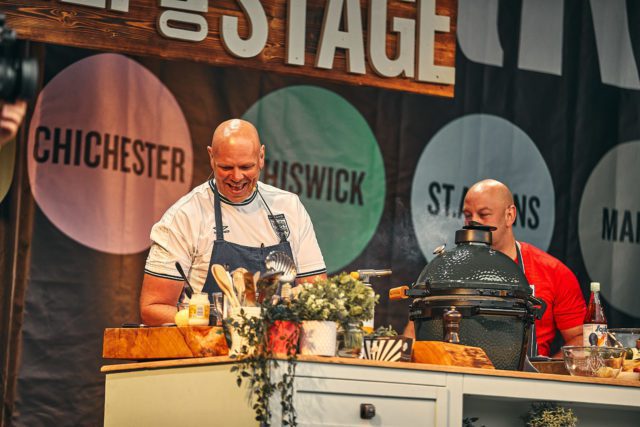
x: 7, y: 80
x: 18, y: 79
x: 18, y: 75
x: 28, y: 80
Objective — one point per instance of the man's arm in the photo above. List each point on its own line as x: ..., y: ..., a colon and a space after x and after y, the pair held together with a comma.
x: 158, y: 299
x: 571, y: 336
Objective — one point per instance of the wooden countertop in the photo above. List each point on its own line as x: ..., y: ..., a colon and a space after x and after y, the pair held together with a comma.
x: 177, y: 363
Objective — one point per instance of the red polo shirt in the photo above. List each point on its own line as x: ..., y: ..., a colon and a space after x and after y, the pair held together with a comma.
x: 559, y: 288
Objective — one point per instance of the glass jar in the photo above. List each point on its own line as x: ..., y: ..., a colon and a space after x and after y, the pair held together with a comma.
x: 351, y: 340
x: 199, y: 309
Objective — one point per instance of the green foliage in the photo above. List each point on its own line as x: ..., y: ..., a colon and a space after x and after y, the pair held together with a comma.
x: 340, y: 298
x: 320, y: 300
x: 283, y: 311
x: 384, y: 332
x: 549, y: 414
x: 255, y: 362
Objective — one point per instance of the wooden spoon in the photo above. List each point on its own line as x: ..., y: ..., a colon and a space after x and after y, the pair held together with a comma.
x: 238, y: 283
x: 222, y: 278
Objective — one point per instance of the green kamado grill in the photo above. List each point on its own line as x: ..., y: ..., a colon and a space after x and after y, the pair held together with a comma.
x: 487, y: 288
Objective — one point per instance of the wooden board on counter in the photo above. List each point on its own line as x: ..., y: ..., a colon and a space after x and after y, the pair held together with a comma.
x: 442, y: 353
x: 551, y: 367
x: 164, y: 342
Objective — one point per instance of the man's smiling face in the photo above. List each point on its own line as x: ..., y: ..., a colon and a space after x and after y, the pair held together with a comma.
x: 236, y: 158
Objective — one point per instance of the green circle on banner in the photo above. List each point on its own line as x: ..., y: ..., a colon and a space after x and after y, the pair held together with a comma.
x: 7, y: 163
x: 320, y: 147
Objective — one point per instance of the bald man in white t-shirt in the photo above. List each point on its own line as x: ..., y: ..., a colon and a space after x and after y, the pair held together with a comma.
x: 232, y: 219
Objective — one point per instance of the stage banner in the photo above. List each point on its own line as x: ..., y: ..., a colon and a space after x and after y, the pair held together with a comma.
x: 403, y: 45
x: 547, y: 100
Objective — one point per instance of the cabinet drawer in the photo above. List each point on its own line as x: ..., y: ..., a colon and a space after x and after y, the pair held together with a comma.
x: 333, y: 402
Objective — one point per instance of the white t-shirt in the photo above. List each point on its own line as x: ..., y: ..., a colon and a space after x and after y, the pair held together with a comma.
x: 186, y: 232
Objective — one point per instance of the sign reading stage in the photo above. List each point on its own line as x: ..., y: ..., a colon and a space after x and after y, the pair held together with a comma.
x: 405, y: 45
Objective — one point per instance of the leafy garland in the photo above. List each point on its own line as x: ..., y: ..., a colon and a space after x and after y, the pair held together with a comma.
x: 255, y: 361
x: 340, y: 298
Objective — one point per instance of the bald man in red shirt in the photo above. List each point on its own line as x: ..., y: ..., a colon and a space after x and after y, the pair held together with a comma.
x: 490, y: 202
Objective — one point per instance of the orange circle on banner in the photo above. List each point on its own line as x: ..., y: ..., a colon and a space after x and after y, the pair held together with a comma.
x: 109, y: 151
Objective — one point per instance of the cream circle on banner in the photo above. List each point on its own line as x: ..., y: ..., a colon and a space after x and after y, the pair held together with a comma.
x: 609, y: 226
x: 320, y: 147
x: 109, y: 152
x: 467, y: 150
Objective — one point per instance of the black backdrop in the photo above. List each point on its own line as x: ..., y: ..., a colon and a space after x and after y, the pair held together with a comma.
x: 74, y: 292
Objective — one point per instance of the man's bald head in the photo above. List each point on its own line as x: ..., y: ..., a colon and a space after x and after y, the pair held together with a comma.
x: 235, y: 131
x: 492, y: 188
x: 490, y: 202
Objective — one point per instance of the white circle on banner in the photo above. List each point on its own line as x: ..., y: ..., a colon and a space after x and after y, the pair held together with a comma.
x: 467, y: 150
x: 109, y: 152
x: 609, y: 226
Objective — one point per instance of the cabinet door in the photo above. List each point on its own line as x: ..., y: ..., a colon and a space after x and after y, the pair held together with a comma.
x: 334, y: 402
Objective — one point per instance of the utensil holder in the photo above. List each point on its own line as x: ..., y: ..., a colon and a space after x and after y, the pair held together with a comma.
x: 237, y: 341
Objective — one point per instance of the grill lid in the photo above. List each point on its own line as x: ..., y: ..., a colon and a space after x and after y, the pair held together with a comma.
x: 472, y: 268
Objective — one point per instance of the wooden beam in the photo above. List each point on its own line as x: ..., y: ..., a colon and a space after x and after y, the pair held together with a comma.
x: 137, y: 32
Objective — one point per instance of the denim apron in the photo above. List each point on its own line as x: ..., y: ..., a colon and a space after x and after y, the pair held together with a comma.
x: 233, y: 255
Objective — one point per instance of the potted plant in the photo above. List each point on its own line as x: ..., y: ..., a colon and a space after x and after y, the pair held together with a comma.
x: 359, y: 302
x: 255, y: 358
x: 549, y: 414
x: 320, y: 305
x: 283, y: 326
x: 324, y: 304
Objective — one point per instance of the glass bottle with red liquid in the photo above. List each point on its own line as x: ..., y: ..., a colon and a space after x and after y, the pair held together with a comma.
x: 594, y: 330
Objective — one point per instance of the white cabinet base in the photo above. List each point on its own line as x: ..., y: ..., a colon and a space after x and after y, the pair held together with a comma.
x: 330, y: 391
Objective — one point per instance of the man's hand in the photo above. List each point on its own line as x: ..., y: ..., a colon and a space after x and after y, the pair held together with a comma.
x: 10, y: 119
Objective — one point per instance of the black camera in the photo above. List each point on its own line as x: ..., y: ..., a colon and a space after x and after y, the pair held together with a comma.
x: 18, y: 75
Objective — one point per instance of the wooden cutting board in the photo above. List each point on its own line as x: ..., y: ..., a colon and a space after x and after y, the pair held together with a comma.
x: 443, y: 353
x: 164, y: 342
x: 551, y: 367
